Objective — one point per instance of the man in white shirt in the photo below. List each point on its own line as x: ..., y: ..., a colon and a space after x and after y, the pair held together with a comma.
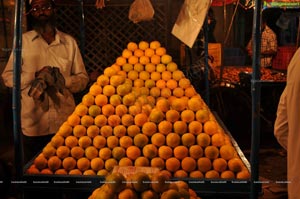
x: 52, y: 69
x: 287, y: 128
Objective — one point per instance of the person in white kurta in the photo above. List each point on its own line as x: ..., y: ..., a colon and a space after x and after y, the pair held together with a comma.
x: 43, y: 47
x: 287, y: 125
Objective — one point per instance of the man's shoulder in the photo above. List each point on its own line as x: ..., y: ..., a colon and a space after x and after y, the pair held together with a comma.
x: 30, y: 34
x: 65, y: 36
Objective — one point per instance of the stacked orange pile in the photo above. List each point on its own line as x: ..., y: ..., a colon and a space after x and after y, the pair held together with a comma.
x: 141, y: 111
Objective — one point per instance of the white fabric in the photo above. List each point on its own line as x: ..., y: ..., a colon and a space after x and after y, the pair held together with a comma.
x: 287, y: 124
x: 36, y: 53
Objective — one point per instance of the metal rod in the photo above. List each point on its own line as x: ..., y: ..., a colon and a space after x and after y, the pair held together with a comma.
x: 206, y: 69
x: 255, y: 93
x: 16, y: 89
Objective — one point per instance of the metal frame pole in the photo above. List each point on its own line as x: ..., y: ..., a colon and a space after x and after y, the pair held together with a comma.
x: 255, y: 93
x: 16, y: 107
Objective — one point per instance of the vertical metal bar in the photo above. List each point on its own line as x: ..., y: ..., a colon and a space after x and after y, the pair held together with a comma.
x: 82, y: 30
x: 16, y: 89
x: 255, y: 92
x: 206, y: 69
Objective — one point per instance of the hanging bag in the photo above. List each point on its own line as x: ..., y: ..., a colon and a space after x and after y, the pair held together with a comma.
x: 141, y: 10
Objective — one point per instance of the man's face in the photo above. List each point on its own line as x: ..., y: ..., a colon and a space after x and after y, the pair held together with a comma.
x: 43, y: 13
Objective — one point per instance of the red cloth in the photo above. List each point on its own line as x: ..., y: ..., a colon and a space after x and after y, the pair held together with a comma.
x: 221, y: 2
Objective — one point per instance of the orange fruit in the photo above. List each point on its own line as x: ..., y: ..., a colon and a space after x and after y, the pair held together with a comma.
x: 119, y: 61
x: 118, y: 152
x: 81, y: 109
x: 165, y: 152
x: 69, y: 163
x: 172, y: 164
x: 87, y: 120
x: 188, y: 164
x: 140, y: 119
x: 112, y: 141
x: 100, y: 120
x: 138, y: 53
x: 113, y: 120
x: 133, y: 130
x: 46, y: 171
x: 188, y: 139
x: 106, y: 131
x: 235, y: 165
x: 126, y: 53
x: 195, y: 151
x: 57, y: 140
x: 127, y: 193
x: 154, y: 45
x: 108, y: 110
x: 140, y: 140
x: 84, y: 141
x: 77, y: 152
x: 75, y: 172
x: 54, y: 163
x: 115, y: 100
x: 227, y: 174
x: 125, y: 162
x: 125, y: 141
x: 89, y: 172
x: 40, y: 162
x: 190, y: 91
x: 160, y: 84
x: 219, y: 164
x: 91, y: 152
x: 180, y: 127
x: 65, y: 130
x: 83, y: 164
x: 212, y: 174
x: 184, y: 83
x: 79, y: 131
x: 160, y: 51
x: 142, y: 162
x: 180, y: 174
x: 244, y: 174
x: 202, y: 115
x: 101, y: 100
x: 178, y: 92
x: 144, y: 60
x: 157, y: 162
x: 133, y: 60
x: 212, y: 152
x: 132, y: 46
x: 99, y: 141
x: 92, y: 131
x: 61, y: 172
x: 73, y: 120
x: 227, y: 152
x: 149, y: 52
x: 121, y: 110
x: 95, y: 89
x: 203, y: 139
x: 48, y: 151
x: 158, y: 139
x: 162, y: 104
x: 62, y: 152
x: 155, y: 59
x: 217, y: 139
x: 172, y: 115
x: 133, y: 152
x: 165, y: 127
x: 143, y: 45
x: 102, y: 80
x: 195, y: 127
x: 110, y: 164
x: 150, y: 151
x: 105, y: 153
x: 171, y: 83
x: 109, y: 90
x: 88, y: 99
x: 173, y: 139
x: 204, y: 164
x: 180, y: 152
x: 178, y: 104
x: 195, y: 104
x: 149, y: 128
x: 210, y: 127
x: 196, y: 174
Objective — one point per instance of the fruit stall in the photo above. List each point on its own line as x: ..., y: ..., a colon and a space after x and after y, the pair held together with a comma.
x: 141, y: 112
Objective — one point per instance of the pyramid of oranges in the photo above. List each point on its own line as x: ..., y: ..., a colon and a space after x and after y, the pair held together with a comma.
x: 142, y: 111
